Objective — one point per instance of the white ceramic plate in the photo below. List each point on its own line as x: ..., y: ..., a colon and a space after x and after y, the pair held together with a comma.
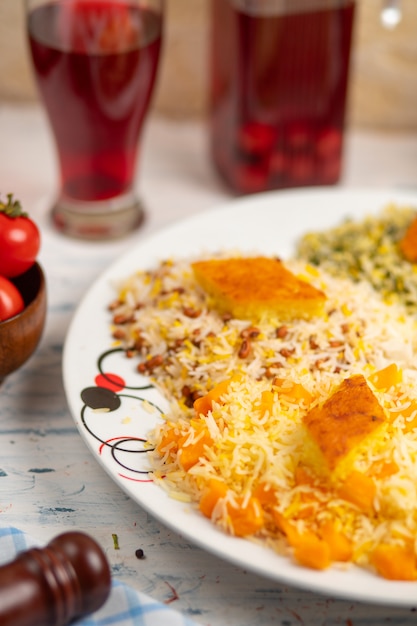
x: 269, y: 223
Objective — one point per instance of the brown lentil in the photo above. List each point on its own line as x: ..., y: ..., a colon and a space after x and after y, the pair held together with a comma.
x: 191, y: 312
x: 119, y: 333
x: 250, y: 333
x: 245, y: 349
x: 287, y: 352
x: 282, y: 332
x: 123, y: 318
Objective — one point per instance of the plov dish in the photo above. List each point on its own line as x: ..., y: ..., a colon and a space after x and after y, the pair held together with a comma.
x: 90, y: 359
x: 294, y: 409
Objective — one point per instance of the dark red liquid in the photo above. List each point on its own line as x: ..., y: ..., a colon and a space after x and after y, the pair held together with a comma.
x: 96, y: 90
x: 278, y: 95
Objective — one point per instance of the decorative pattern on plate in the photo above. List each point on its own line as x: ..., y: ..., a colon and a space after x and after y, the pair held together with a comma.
x: 111, y: 399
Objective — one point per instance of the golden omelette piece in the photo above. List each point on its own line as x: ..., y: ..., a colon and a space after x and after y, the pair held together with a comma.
x: 254, y: 287
x: 349, y: 419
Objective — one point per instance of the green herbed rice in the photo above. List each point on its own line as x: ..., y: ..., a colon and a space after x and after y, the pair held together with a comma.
x: 368, y: 250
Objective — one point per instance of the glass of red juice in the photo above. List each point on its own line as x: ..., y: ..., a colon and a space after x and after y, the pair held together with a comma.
x: 279, y: 74
x: 95, y: 64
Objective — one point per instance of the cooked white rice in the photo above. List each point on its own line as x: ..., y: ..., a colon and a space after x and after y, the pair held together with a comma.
x: 164, y: 319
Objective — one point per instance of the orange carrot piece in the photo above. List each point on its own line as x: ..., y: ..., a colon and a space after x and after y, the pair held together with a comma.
x: 360, y: 490
x: 341, y: 548
x: 308, y: 507
x: 287, y: 528
x: 265, y: 494
x: 408, y: 244
x: 215, y: 490
x: 387, y: 377
x: 302, y: 476
x: 300, y: 393
x: 169, y: 438
x: 189, y: 455
x: 246, y: 520
x: 409, y: 425
x: 311, y: 551
x: 205, y: 404
x: 383, y: 469
x: 296, y: 392
x: 267, y: 402
x: 395, y: 562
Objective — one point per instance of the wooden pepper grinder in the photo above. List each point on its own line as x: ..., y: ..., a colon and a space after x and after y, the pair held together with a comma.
x: 52, y: 586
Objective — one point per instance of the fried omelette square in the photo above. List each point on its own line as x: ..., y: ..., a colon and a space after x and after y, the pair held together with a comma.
x: 253, y: 287
x: 348, y: 419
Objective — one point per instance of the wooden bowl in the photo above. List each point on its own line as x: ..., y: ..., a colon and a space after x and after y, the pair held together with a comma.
x: 20, y: 335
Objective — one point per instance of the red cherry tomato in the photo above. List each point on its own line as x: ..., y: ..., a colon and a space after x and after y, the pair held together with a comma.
x: 11, y: 301
x: 19, y: 240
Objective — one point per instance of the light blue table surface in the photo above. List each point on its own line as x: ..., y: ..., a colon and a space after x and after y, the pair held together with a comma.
x: 49, y: 481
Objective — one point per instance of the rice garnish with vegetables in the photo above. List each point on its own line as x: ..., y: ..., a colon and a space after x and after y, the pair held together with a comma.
x: 296, y: 429
x: 369, y: 249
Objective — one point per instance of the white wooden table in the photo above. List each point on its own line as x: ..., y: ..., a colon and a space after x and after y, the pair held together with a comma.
x: 49, y: 481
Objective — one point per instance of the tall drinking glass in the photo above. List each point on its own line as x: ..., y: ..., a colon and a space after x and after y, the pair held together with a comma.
x: 95, y: 63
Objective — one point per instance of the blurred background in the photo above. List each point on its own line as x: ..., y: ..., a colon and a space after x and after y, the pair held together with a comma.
x: 383, y: 91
